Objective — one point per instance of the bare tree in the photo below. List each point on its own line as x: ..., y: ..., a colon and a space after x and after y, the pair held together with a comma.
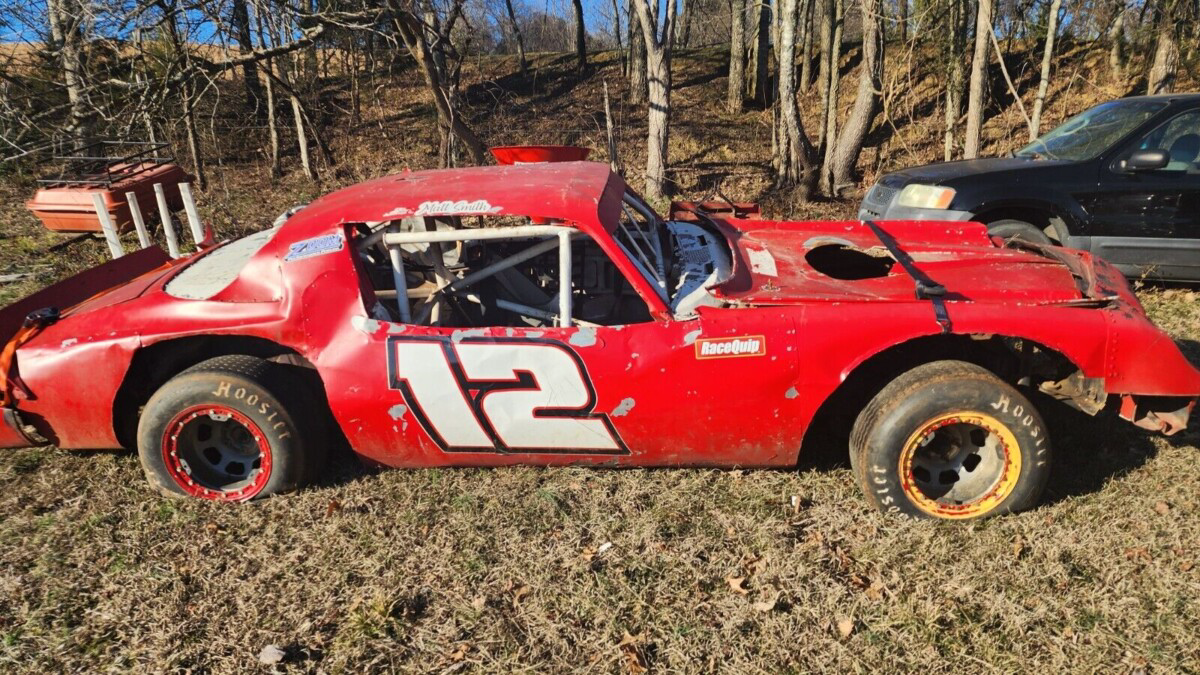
x: 580, y: 37
x: 440, y: 76
x: 65, y: 19
x: 239, y: 21
x: 956, y: 43
x: 1047, y: 55
x: 866, y: 102
x: 902, y: 19
x: 1161, y: 78
x: 737, y: 56
x: 983, y: 31
x: 795, y: 157
x: 760, y: 86
x: 638, y: 86
x: 829, y: 114
x: 1116, y: 42
x: 520, y: 39
x: 659, y: 42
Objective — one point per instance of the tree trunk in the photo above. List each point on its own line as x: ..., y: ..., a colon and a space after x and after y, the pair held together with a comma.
x: 240, y: 23
x: 273, y: 126
x: 638, y: 86
x: 1161, y: 79
x: 1116, y: 44
x: 1035, y: 125
x: 795, y: 156
x: 683, y: 27
x: 761, y: 92
x: 735, y: 95
x: 658, y: 71
x: 866, y: 101
x: 983, y: 29
x: 956, y: 39
x: 516, y: 29
x: 902, y: 19
x: 806, y: 43
x: 580, y: 37
x: 616, y: 27
x: 829, y: 119
x: 64, y: 19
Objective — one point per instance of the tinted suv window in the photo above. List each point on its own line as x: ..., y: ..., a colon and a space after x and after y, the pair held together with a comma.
x: 1091, y: 132
x: 1180, y: 138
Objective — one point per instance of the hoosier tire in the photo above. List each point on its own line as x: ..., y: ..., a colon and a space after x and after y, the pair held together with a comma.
x: 950, y: 440
x: 232, y: 428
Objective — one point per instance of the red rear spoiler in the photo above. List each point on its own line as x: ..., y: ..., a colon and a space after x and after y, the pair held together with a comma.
x: 74, y: 290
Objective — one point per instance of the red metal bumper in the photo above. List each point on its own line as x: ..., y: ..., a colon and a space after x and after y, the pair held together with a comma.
x: 14, y: 433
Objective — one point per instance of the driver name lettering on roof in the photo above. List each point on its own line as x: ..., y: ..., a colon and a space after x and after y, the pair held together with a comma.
x: 479, y: 206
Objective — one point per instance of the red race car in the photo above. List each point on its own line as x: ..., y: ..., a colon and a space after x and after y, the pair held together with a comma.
x: 544, y: 314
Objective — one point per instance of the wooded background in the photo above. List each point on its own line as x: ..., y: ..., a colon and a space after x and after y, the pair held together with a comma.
x: 192, y: 72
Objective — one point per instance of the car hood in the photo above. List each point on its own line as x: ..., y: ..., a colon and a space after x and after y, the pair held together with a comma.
x: 935, y: 174
x: 789, y: 263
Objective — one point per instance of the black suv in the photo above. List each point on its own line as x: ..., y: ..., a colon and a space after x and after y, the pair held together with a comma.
x: 1121, y: 180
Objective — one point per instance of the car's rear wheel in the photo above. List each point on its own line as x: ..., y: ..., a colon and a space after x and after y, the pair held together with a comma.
x: 950, y: 440
x: 1011, y: 229
x: 232, y: 428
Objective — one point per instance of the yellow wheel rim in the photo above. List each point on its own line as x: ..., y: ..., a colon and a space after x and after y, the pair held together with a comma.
x: 960, y: 465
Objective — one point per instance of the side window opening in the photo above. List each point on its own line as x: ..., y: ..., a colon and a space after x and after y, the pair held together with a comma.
x: 1180, y: 138
x: 492, y: 271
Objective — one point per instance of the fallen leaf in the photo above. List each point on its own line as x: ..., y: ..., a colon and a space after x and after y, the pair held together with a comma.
x: 737, y: 584
x: 845, y: 627
x: 1163, y: 508
x: 754, y: 565
x: 334, y: 505
x: 270, y: 655
x: 768, y: 604
x: 1139, y: 553
x: 212, y: 528
x: 635, y: 660
x: 460, y: 653
x: 587, y: 553
x: 479, y: 603
x: 1186, y: 566
x: 1068, y: 633
x: 518, y: 593
x: 1018, y: 547
x: 875, y: 590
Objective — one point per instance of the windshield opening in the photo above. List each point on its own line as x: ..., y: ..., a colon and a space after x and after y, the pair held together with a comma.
x: 1091, y: 132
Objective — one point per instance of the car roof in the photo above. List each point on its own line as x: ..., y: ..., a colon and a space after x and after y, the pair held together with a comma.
x: 1184, y: 97
x: 581, y: 193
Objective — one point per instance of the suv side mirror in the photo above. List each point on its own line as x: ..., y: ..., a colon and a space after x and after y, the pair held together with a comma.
x: 1147, y: 160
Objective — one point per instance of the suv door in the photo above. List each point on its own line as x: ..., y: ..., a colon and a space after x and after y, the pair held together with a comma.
x: 1148, y: 222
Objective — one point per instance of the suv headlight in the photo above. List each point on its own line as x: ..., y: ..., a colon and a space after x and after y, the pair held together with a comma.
x: 926, y: 196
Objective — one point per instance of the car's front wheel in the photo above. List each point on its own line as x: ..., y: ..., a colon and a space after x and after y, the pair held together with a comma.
x: 232, y: 428
x: 1012, y: 230
x: 950, y: 440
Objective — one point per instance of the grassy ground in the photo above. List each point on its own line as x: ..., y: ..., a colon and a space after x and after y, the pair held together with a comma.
x: 572, y: 569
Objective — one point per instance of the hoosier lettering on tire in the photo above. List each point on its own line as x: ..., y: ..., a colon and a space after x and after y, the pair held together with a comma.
x: 950, y: 440
x: 232, y: 428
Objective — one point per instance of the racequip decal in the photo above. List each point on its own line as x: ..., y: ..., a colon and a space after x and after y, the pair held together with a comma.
x: 316, y: 246
x: 500, y: 395
x: 462, y: 206
x: 729, y: 347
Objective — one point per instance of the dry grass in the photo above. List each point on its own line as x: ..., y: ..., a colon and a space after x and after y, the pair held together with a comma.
x: 574, y: 569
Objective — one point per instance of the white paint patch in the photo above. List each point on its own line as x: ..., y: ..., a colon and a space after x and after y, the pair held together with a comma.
x: 762, y: 262
x: 690, y: 338
x: 398, y: 212
x: 791, y: 393
x: 365, y: 325
x: 623, y: 408
x: 397, y: 411
x: 462, y: 206
x: 583, y: 337
x: 68, y: 342
x: 458, y: 335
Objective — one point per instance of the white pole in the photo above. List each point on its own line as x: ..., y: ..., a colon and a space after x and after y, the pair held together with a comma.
x: 398, y: 277
x: 564, y: 278
x: 164, y: 214
x: 189, y: 205
x: 106, y: 224
x: 138, y: 222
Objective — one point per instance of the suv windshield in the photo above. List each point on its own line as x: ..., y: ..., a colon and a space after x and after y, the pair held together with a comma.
x: 1092, y: 132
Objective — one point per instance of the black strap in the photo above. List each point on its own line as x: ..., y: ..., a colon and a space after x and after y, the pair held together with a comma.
x: 927, y: 289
